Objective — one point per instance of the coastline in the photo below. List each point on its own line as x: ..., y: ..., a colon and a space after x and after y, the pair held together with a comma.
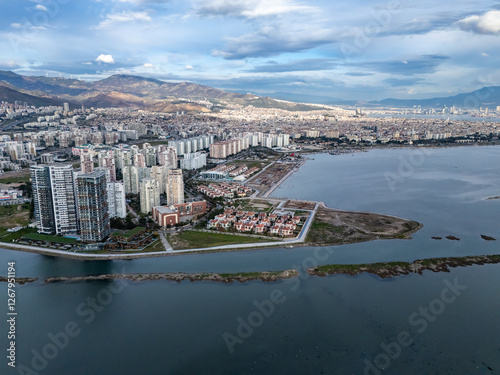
x: 386, y: 270
x: 299, y: 241
x: 241, y: 277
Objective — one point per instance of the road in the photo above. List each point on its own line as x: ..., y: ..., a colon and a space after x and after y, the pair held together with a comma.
x: 83, y: 256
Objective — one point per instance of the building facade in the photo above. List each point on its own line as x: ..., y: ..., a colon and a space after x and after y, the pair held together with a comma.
x: 175, y: 187
x: 171, y: 215
x: 117, y: 205
x: 93, y: 206
x: 54, y: 199
x: 150, y: 194
x: 194, y: 160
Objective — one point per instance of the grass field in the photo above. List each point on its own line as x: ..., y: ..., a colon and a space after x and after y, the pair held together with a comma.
x: 15, y: 179
x: 193, y: 240
x: 8, y: 237
x: 255, y: 205
x: 45, y: 237
x: 14, y: 216
x: 249, y: 163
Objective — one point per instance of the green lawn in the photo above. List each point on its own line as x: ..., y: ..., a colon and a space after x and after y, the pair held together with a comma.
x: 15, y: 180
x: 193, y: 240
x: 8, y: 237
x: 133, y: 232
x: 45, y: 237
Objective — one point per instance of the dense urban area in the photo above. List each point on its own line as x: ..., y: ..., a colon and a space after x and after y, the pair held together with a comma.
x: 114, y: 180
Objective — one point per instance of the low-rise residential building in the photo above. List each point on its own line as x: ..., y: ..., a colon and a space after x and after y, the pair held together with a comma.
x: 174, y: 214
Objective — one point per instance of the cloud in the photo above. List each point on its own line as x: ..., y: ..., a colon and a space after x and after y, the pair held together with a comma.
x: 396, y: 82
x: 41, y: 7
x: 106, y: 59
x: 86, y: 63
x: 137, y: 2
x: 423, y: 24
x: 358, y: 74
x: 16, y: 25
x: 295, y: 66
x: 249, y: 8
x: 148, y: 65
x: 189, y: 67
x: 123, y: 17
x: 274, y: 40
x: 488, y: 23
x: 272, y: 82
x: 422, y: 64
x: 9, y: 65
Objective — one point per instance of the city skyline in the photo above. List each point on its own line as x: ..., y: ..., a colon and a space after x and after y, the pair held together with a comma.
x: 357, y: 50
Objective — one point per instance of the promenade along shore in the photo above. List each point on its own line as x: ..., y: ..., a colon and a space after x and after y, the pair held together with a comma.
x: 320, y: 225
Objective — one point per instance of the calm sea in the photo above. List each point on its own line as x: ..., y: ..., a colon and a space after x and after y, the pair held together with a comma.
x: 435, y: 323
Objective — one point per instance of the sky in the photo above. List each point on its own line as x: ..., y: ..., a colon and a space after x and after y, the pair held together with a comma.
x: 353, y: 50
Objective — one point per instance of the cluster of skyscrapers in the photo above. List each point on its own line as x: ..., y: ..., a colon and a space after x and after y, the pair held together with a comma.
x: 69, y: 203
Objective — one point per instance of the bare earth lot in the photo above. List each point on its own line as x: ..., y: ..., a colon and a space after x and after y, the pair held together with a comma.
x: 332, y: 227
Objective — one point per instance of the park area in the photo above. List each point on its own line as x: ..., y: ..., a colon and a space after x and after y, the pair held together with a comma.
x: 194, y: 240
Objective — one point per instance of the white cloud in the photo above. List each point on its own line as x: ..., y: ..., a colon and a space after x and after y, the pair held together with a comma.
x: 250, y: 8
x: 16, y: 25
x: 114, y: 18
x: 488, y: 23
x: 148, y: 65
x: 274, y: 40
x: 189, y: 67
x: 106, y: 59
x: 40, y: 7
x: 87, y: 63
x: 484, y: 54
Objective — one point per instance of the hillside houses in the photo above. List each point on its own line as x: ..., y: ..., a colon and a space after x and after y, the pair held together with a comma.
x: 255, y: 222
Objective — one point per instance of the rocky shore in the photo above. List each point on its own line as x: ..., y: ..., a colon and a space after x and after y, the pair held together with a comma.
x: 20, y: 280
x: 393, y: 269
x: 220, y: 277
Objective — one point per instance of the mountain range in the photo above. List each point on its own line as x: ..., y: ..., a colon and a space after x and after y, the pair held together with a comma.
x: 133, y: 91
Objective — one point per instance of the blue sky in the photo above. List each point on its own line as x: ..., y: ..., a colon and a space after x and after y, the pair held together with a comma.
x: 356, y: 49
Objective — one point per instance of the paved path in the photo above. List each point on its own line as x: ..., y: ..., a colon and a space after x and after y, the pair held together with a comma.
x: 39, y: 250
x: 131, y: 210
x: 165, y: 243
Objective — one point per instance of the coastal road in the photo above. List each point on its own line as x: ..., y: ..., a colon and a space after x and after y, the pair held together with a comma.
x: 33, y: 249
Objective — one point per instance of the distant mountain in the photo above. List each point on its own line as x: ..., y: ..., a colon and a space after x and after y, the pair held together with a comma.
x: 133, y: 91
x: 312, y: 99
x: 484, y: 97
x: 48, y: 85
x: 10, y: 95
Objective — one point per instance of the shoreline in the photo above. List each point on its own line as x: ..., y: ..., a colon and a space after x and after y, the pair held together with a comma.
x: 386, y: 270
x: 383, y: 270
x: 299, y: 241
x: 266, y: 276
